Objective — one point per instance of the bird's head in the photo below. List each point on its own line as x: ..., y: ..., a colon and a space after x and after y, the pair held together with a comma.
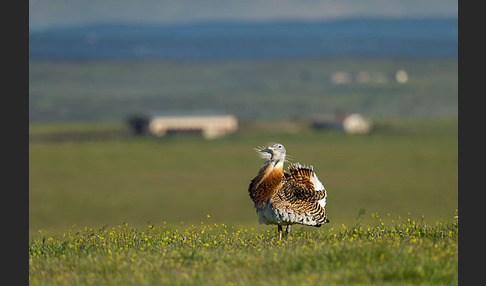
x: 274, y: 153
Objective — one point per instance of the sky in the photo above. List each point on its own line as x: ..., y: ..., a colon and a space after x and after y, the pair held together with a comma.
x: 45, y: 14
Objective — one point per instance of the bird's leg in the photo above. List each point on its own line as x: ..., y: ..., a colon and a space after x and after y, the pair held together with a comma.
x: 280, y: 232
x: 287, y: 231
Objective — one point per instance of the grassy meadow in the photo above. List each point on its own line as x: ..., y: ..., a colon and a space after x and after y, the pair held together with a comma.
x: 409, y: 169
x: 406, y: 253
x: 176, y: 211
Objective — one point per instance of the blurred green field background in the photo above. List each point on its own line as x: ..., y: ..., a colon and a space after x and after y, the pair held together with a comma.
x: 270, y: 90
x: 405, y: 166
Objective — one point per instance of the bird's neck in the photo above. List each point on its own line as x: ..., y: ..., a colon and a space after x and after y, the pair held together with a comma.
x: 267, y: 182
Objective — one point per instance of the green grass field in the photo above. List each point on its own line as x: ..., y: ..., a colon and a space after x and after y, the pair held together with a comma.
x: 406, y: 253
x: 176, y: 210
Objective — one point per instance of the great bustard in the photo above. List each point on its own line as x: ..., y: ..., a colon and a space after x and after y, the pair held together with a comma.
x: 287, y: 198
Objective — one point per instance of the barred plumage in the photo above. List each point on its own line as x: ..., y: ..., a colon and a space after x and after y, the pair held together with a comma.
x: 286, y: 198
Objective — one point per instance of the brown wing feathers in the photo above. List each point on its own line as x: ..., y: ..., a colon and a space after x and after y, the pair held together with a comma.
x: 297, y: 193
x: 300, y: 175
x: 293, y: 191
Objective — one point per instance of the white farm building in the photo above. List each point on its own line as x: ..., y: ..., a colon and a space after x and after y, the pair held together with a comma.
x: 210, y: 126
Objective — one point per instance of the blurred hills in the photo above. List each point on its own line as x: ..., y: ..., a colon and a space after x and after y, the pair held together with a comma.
x: 209, y: 41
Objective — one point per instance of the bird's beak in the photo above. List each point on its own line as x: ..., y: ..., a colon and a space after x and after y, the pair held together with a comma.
x: 269, y: 149
x: 264, y: 153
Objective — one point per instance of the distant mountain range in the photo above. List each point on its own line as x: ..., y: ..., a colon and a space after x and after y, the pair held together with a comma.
x: 383, y: 38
